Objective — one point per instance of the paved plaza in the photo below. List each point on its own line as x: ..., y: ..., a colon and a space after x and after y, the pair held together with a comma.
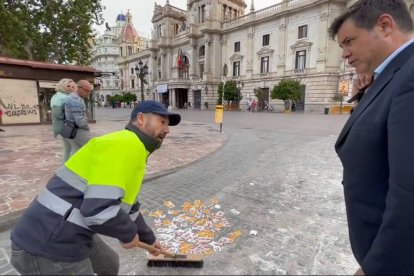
x: 275, y: 178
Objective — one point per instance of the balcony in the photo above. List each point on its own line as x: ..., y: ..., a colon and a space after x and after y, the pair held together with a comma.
x: 302, y: 71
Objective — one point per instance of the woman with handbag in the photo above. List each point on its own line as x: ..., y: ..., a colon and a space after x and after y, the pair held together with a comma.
x: 75, y: 115
x: 63, y: 89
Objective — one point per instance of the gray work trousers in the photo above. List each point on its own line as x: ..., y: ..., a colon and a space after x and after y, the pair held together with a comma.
x: 102, y: 261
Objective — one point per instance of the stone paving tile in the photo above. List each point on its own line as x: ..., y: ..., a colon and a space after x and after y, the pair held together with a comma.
x: 5, y: 266
x: 29, y: 155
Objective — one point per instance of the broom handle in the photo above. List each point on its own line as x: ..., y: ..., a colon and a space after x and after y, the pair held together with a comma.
x: 153, y: 248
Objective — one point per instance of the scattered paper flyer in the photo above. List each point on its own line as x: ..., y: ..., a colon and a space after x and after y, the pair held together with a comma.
x: 194, y: 228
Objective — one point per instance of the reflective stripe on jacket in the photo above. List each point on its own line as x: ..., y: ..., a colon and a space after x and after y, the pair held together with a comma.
x: 96, y: 191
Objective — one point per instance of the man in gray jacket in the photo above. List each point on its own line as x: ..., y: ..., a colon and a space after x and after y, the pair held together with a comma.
x: 75, y: 111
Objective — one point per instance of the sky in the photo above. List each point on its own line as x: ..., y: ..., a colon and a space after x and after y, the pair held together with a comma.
x: 142, y: 11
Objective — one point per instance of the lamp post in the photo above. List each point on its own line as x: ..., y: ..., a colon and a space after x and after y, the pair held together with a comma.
x: 141, y: 70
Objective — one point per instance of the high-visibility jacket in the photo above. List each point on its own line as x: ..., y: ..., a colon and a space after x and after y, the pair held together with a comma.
x: 95, y: 191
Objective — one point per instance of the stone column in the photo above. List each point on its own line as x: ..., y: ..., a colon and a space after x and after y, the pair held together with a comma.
x: 169, y: 64
x: 207, y: 56
x: 216, y: 57
x: 172, y: 98
x: 323, y: 41
x: 250, y: 55
x: 194, y: 59
x: 282, y: 51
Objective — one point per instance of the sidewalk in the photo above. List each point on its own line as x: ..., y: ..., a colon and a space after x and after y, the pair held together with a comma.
x: 29, y: 155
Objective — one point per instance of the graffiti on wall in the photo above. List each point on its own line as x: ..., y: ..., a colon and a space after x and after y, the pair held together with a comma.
x: 22, y: 109
x: 19, y: 101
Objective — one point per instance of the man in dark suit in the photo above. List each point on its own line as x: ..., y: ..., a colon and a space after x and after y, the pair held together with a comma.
x: 376, y: 145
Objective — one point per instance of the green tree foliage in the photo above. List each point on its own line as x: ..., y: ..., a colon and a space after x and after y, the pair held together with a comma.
x: 116, y: 99
x: 231, y: 92
x: 129, y: 97
x: 287, y: 89
x: 59, y: 31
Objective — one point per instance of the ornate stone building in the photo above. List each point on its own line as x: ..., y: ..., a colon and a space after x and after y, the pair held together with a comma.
x: 118, y: 41
x: 191, y: 51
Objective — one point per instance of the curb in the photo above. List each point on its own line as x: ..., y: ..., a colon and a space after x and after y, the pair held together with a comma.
x: 9, y: 220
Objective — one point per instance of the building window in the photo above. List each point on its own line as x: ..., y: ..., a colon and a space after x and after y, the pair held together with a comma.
x: 132, y: 71
x: 116, y: 84
x: 303, y: 31
x: 237, y: 46
x: 129, y: 50
x: 121, y: 72
x: 203, y: 13
x: 202, y: 51
x: 159, y: 68
x: 266, y: 40
x: 300, y: 60
x: 183, y: 67
x: 201, y: 70
x: 264, y: 65
x: 120, y: 50
x: 236, y: 68
x: 133, y: 84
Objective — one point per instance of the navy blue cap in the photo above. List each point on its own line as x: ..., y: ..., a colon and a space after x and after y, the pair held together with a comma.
x: 156, y: 108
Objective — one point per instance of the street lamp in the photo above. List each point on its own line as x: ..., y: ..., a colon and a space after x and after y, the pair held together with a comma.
x: 141, y: 70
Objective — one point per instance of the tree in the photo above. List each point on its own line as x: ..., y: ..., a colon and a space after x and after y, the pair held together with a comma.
x: 115, y: 99
x: 129, y: 97
x: 58, y: 31
x: 287, y: 89
x: 231, y: 92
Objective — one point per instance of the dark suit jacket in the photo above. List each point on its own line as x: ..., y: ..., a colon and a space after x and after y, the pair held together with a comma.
x: 376, y: 148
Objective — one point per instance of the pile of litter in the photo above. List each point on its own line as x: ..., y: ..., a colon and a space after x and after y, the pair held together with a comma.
x: 195, y: 228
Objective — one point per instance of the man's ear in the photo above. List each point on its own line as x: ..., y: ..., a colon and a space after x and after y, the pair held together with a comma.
x: 139, y: 120
x: 387, y: 24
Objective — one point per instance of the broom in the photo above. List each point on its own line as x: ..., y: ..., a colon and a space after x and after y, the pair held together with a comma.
x: 171, y: 259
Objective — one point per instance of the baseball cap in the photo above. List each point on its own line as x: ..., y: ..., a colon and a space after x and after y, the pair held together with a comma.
x: 156, y: 108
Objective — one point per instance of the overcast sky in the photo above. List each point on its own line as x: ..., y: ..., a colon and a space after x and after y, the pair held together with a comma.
x: 142, y: 11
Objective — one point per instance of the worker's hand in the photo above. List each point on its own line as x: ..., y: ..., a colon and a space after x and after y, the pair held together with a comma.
x: 359, y: 272
x: 363, y: 81
x: 157, y: 252
x: 131, y: 244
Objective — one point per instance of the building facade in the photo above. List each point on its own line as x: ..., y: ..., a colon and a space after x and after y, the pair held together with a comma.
x: 116, y: 42
x: 26, y: 89
x: 191, y: 51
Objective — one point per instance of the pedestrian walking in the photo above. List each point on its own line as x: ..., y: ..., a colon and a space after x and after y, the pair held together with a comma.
x: 293, y: 107
x: 57, y: 106
x: 75, y: 112
x: 94, y: 192
x: 253, y: 105
x: 375, y: 145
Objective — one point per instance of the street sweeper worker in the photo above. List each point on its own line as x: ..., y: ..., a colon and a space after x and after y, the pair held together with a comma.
x: 94, y: 192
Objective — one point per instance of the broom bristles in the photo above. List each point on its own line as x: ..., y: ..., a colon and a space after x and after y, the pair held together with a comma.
x: 189, y: 261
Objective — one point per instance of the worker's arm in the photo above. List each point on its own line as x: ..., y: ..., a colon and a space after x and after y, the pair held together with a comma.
x: 103, y: 214
x: 145, y: 233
